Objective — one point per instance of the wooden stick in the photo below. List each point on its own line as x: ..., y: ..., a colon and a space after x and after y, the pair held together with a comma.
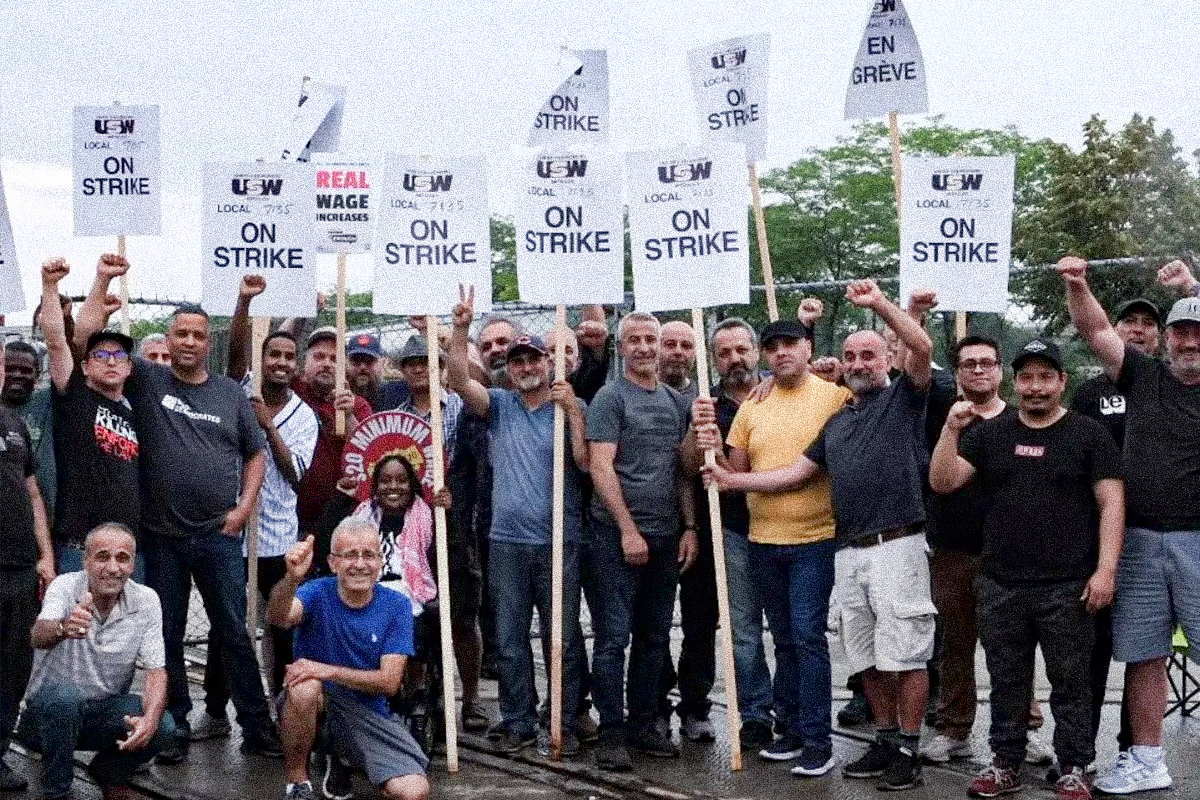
x: 764, y: 251
x: 894, y: 132
x: 339, y: 381
x: 442, y: 544
x: 123, y: 289
x: 556, y: 545
x: 733, y: 717
x: 960, y: 325
x: 258, y: 327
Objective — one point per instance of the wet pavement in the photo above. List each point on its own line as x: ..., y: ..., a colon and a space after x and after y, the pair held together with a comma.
x: 217, y: 770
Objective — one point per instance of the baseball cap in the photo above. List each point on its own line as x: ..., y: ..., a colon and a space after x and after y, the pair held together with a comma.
x: 1039, y: 348
x: 1185, y: 310
x: 526, y: 342
x: 364, y: 344
x: 325, y: 332
x: 415, y: 347
x: 1139, y: 304
x: 109, y: 336
x: 784, y: 329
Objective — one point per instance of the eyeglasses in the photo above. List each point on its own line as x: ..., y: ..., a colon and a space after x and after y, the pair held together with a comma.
x: 120, y: 356
x: 983, y: 364
x: 365, y: 556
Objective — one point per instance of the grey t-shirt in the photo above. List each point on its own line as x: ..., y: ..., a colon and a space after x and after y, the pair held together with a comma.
x: 647, y: 426
x: 876, y: 457
x: 195, y: 439
x: 101, y: 665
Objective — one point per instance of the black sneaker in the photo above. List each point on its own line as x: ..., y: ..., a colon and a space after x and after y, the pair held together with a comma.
x: 651, y: 742
x: 512, y: 742
x: 814, y: 762
x: 873, y: 763
x: 11, y: 781
x: 177, y: 750
x: 856, y: 712
x: 336, y: 783
x: 756, y: 735
x: 265, y: 743
x: 903, y: 773
x: 611, y: 753
x: 785, y: 748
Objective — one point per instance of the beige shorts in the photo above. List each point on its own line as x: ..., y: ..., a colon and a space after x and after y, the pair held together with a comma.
x: 882, y: 614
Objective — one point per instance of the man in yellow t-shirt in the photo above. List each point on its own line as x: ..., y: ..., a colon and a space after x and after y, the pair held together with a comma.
x: 792, y: 541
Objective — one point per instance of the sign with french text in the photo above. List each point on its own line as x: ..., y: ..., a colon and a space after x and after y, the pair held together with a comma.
x: 889, y: 72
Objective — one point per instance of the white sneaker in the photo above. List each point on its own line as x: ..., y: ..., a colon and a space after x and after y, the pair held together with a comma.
x: 1038, y: 751
x: 941, y: 748
x: 209, y: 727
x: 698, y: 730
x: 1131, y: 775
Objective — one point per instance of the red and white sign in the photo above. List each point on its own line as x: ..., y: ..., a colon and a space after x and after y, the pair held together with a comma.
x: 384, y: 434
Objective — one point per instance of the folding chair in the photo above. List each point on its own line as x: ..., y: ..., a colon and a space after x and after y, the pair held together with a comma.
x: 1185, y: 686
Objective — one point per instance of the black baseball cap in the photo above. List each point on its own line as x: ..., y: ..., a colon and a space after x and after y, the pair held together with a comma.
x: 110, y: 336
x: 1044, y: 349
x: 1139, y: 304
x: 785, y: 329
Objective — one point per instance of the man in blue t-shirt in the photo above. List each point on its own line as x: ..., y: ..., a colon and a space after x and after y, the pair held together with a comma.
x: 521, y: 432
x: 353, y: 638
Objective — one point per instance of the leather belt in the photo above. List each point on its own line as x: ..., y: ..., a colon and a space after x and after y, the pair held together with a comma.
x: 889, y: 535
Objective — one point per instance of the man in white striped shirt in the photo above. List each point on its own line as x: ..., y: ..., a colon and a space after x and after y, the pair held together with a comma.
x: 290, y: 428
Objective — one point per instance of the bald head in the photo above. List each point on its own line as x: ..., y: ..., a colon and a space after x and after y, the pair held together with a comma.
x: 677, y: 354
x: 865, y: 356
x: 570, y: 347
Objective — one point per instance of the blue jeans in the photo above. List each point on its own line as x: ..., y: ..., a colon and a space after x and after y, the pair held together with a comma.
x: 214, y: 561
x: 637, y: 602
x: 59, y: 720
x: 755, y: 698
x: 795, y: 582
x: 518, y: 582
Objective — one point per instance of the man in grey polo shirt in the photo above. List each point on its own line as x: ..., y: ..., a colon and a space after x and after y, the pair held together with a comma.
x: 94, y: 627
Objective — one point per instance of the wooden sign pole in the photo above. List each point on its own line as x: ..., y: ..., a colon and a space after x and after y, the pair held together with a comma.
x: 441, y: 543
x: 123, y: 289
x: 733, y: 717
x: 258, y: 327
x: 556, y: 544
x: 764, y: 251
x: 339, y: 383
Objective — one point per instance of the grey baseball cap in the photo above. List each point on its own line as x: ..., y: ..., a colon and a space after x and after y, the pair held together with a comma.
x: 1185, y: 310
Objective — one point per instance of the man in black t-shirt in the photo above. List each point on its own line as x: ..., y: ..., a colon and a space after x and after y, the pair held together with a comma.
x: 1053, y: 507
x: 95, y: 440
x: 1159, y: 575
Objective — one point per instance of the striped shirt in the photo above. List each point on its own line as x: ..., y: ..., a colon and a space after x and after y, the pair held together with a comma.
x: 278, y: 525
x: 452, y: 409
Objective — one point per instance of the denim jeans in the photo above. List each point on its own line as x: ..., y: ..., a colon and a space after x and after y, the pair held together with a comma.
x: 59, y: 720
x: 755, y: 697
x: 795, y: 582
x: 519, y: 581
x: 214, y: 561
x: 635, y: 602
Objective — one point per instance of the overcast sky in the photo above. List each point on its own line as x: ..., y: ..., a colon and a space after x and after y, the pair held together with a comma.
x: 459, y: 77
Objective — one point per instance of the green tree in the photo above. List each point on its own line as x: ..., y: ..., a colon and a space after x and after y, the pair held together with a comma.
x: 1125, y: 193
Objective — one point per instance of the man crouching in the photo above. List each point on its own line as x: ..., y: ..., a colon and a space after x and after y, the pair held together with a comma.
x: 352, y: 640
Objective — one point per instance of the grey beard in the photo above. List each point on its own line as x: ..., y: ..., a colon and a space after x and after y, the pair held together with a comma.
x: 738, y: 377
x: 499, y: 375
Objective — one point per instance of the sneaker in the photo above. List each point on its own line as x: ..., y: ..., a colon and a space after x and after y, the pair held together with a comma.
x: 662, y: 726
x: 1038, y: 751
x: 698, y: 730
x: 511, y: 742
x: 904, y: 772
x: 474, y: 718
x: 177, y: 750
x: 586, y: 728
x: 265, y: 743
x: 611, y: 753
x: 814, y: 762
x: 785, y: 748
x: 873, y: 763
x: 11, y: 781
x: 651, y: 742
x: 570, y: 743
x: 1073, y: 785
x: 941, y: 748
x: 994, y: 781
x: 756, y: 735
x: 207, y: 727
x: 300, y: 791
x: 1130, y: 774
x: 856, y: 712
x: 335, y: 785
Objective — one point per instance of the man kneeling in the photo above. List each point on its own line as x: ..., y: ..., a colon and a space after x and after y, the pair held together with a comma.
x: 353, y: 637
x: 94, y: 626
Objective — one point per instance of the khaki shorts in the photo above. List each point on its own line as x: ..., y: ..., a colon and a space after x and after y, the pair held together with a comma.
x: 883, y: 616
